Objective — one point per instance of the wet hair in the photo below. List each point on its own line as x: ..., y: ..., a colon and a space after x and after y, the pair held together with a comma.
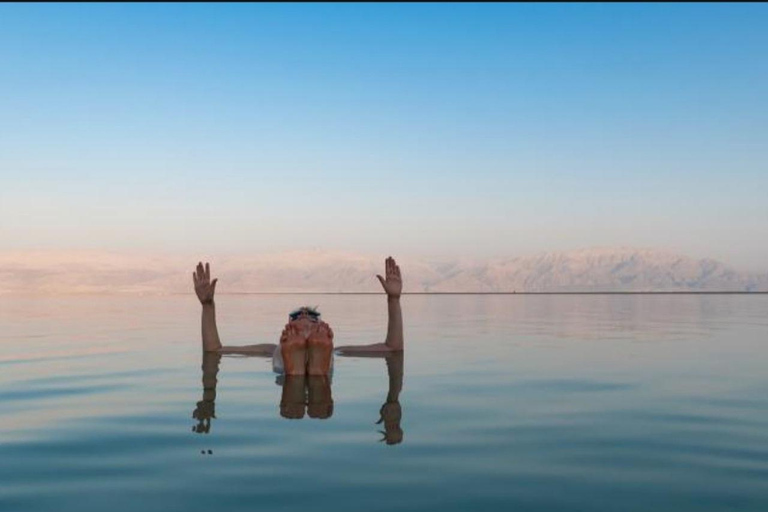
x: 310, y: 311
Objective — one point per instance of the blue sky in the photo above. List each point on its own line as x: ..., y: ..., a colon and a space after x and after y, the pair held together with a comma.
x: 439, y: 130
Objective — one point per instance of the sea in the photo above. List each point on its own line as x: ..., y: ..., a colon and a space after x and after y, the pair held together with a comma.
x: 614, y: 403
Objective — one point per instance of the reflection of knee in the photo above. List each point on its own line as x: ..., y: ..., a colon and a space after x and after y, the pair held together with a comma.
x: 320, y: 411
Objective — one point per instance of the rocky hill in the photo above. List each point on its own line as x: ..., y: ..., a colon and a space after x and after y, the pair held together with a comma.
x: 611, y: 269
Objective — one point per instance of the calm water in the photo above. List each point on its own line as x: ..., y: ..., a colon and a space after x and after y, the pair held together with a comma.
x: 588, y: 403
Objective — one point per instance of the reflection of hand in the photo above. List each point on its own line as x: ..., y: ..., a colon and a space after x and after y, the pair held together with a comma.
x: 393, y: 281
x: 205, y: 411
x: 204, y: 287
x: 390, y: 414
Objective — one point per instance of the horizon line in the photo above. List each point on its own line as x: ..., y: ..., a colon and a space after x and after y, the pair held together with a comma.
x: 722, y: 292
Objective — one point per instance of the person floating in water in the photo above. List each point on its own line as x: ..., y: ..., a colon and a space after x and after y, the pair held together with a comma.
x: 306, y: 343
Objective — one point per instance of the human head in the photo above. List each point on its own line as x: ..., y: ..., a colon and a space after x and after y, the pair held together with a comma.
x: 310, y: 313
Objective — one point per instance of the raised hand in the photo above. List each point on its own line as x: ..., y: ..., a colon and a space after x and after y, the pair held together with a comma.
x: 392, y: 282
x: 204, y: 287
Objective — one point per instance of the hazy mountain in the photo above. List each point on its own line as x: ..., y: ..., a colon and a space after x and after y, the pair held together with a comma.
x: 612, y: 269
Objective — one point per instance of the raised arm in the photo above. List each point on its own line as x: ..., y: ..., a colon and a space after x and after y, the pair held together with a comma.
x: 205, y: 289
x: 392, y: 282
x: 393, y: 286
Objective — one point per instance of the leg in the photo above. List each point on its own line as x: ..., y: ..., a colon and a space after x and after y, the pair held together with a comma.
x: 320, y: 348
x: 293, y: 348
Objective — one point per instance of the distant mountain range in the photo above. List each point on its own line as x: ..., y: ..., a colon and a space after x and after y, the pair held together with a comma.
x: 587, y: 270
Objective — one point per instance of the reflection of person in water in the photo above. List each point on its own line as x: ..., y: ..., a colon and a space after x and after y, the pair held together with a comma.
x: 310, y: 393
x: 206, y: 408
x: 306, y: 343
x: 301, y: 393
x: 390, y: 413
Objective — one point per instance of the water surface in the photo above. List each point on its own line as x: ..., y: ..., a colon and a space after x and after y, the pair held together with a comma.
x: 593, y: 403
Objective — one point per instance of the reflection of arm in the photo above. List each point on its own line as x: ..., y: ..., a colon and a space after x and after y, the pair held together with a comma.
x: 206, y: 408
x: 395, y: 373
x: 391, y: 413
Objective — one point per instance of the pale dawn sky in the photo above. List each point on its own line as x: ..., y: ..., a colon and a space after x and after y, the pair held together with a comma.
x: 438, y: 130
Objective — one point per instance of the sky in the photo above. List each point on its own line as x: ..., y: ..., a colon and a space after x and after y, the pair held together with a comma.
x: 453, y: 130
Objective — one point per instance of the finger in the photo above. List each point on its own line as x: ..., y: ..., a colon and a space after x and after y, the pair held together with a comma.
x: 200, y: 274
x: 397, y: 270
x: 213, y: 286
x: 194, y: 278
x: 381, y: 280
x: 207, y: 270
